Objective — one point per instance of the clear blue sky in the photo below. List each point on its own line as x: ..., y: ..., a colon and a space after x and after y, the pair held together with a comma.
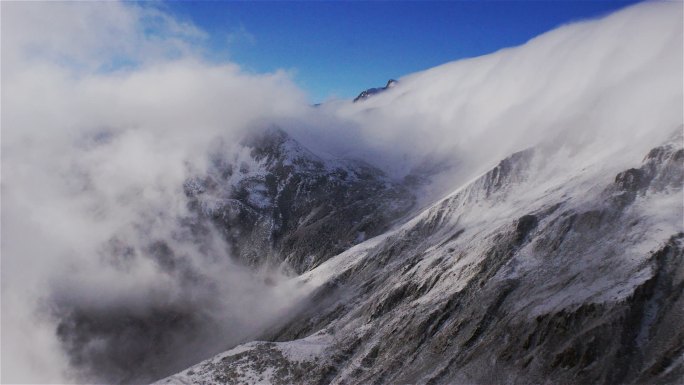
x: 341, y: 48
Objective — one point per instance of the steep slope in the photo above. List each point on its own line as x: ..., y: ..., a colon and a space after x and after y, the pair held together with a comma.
x: 520, y: 276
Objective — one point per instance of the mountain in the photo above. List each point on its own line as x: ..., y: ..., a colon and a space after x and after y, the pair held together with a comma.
x: 516, y: 277
x: 372, y: 91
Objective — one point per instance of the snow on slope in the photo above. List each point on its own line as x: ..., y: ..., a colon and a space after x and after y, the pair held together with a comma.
x: 258, y: 363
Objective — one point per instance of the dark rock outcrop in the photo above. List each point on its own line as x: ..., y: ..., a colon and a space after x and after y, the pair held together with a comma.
x: 373, y: 91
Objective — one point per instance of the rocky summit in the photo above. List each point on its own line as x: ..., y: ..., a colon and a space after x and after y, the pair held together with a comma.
x: 372, y: 91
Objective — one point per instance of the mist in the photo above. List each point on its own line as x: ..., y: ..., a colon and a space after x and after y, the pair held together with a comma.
x: 108, y: 108
x: 104, y: 266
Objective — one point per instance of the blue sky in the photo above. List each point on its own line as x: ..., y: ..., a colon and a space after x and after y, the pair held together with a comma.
x: 340, y: 48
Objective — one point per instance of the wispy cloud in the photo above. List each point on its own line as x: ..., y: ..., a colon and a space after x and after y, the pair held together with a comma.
x: 241, y: 35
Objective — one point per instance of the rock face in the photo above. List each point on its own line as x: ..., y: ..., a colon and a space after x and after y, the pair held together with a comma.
x: 372, y: 91
x: 517, y: 277
x: 278, y: 203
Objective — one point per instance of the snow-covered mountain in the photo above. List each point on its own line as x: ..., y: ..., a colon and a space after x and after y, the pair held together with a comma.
x: 365, y: 94
x: 556, y: 257
x: 517, y: 277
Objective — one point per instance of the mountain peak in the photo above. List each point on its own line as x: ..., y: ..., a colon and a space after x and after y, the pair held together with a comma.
x: 372, y: 91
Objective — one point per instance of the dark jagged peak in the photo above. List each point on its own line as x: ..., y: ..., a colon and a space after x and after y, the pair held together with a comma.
x: 372, y: 91
x: 275, y: 145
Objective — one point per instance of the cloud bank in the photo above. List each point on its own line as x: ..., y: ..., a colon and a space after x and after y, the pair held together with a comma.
x: 108, y: 108
x: 595, y: 86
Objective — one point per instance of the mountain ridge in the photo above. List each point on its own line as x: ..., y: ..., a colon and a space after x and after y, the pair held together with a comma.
x: 373, y: 91
x: 401, y: 312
